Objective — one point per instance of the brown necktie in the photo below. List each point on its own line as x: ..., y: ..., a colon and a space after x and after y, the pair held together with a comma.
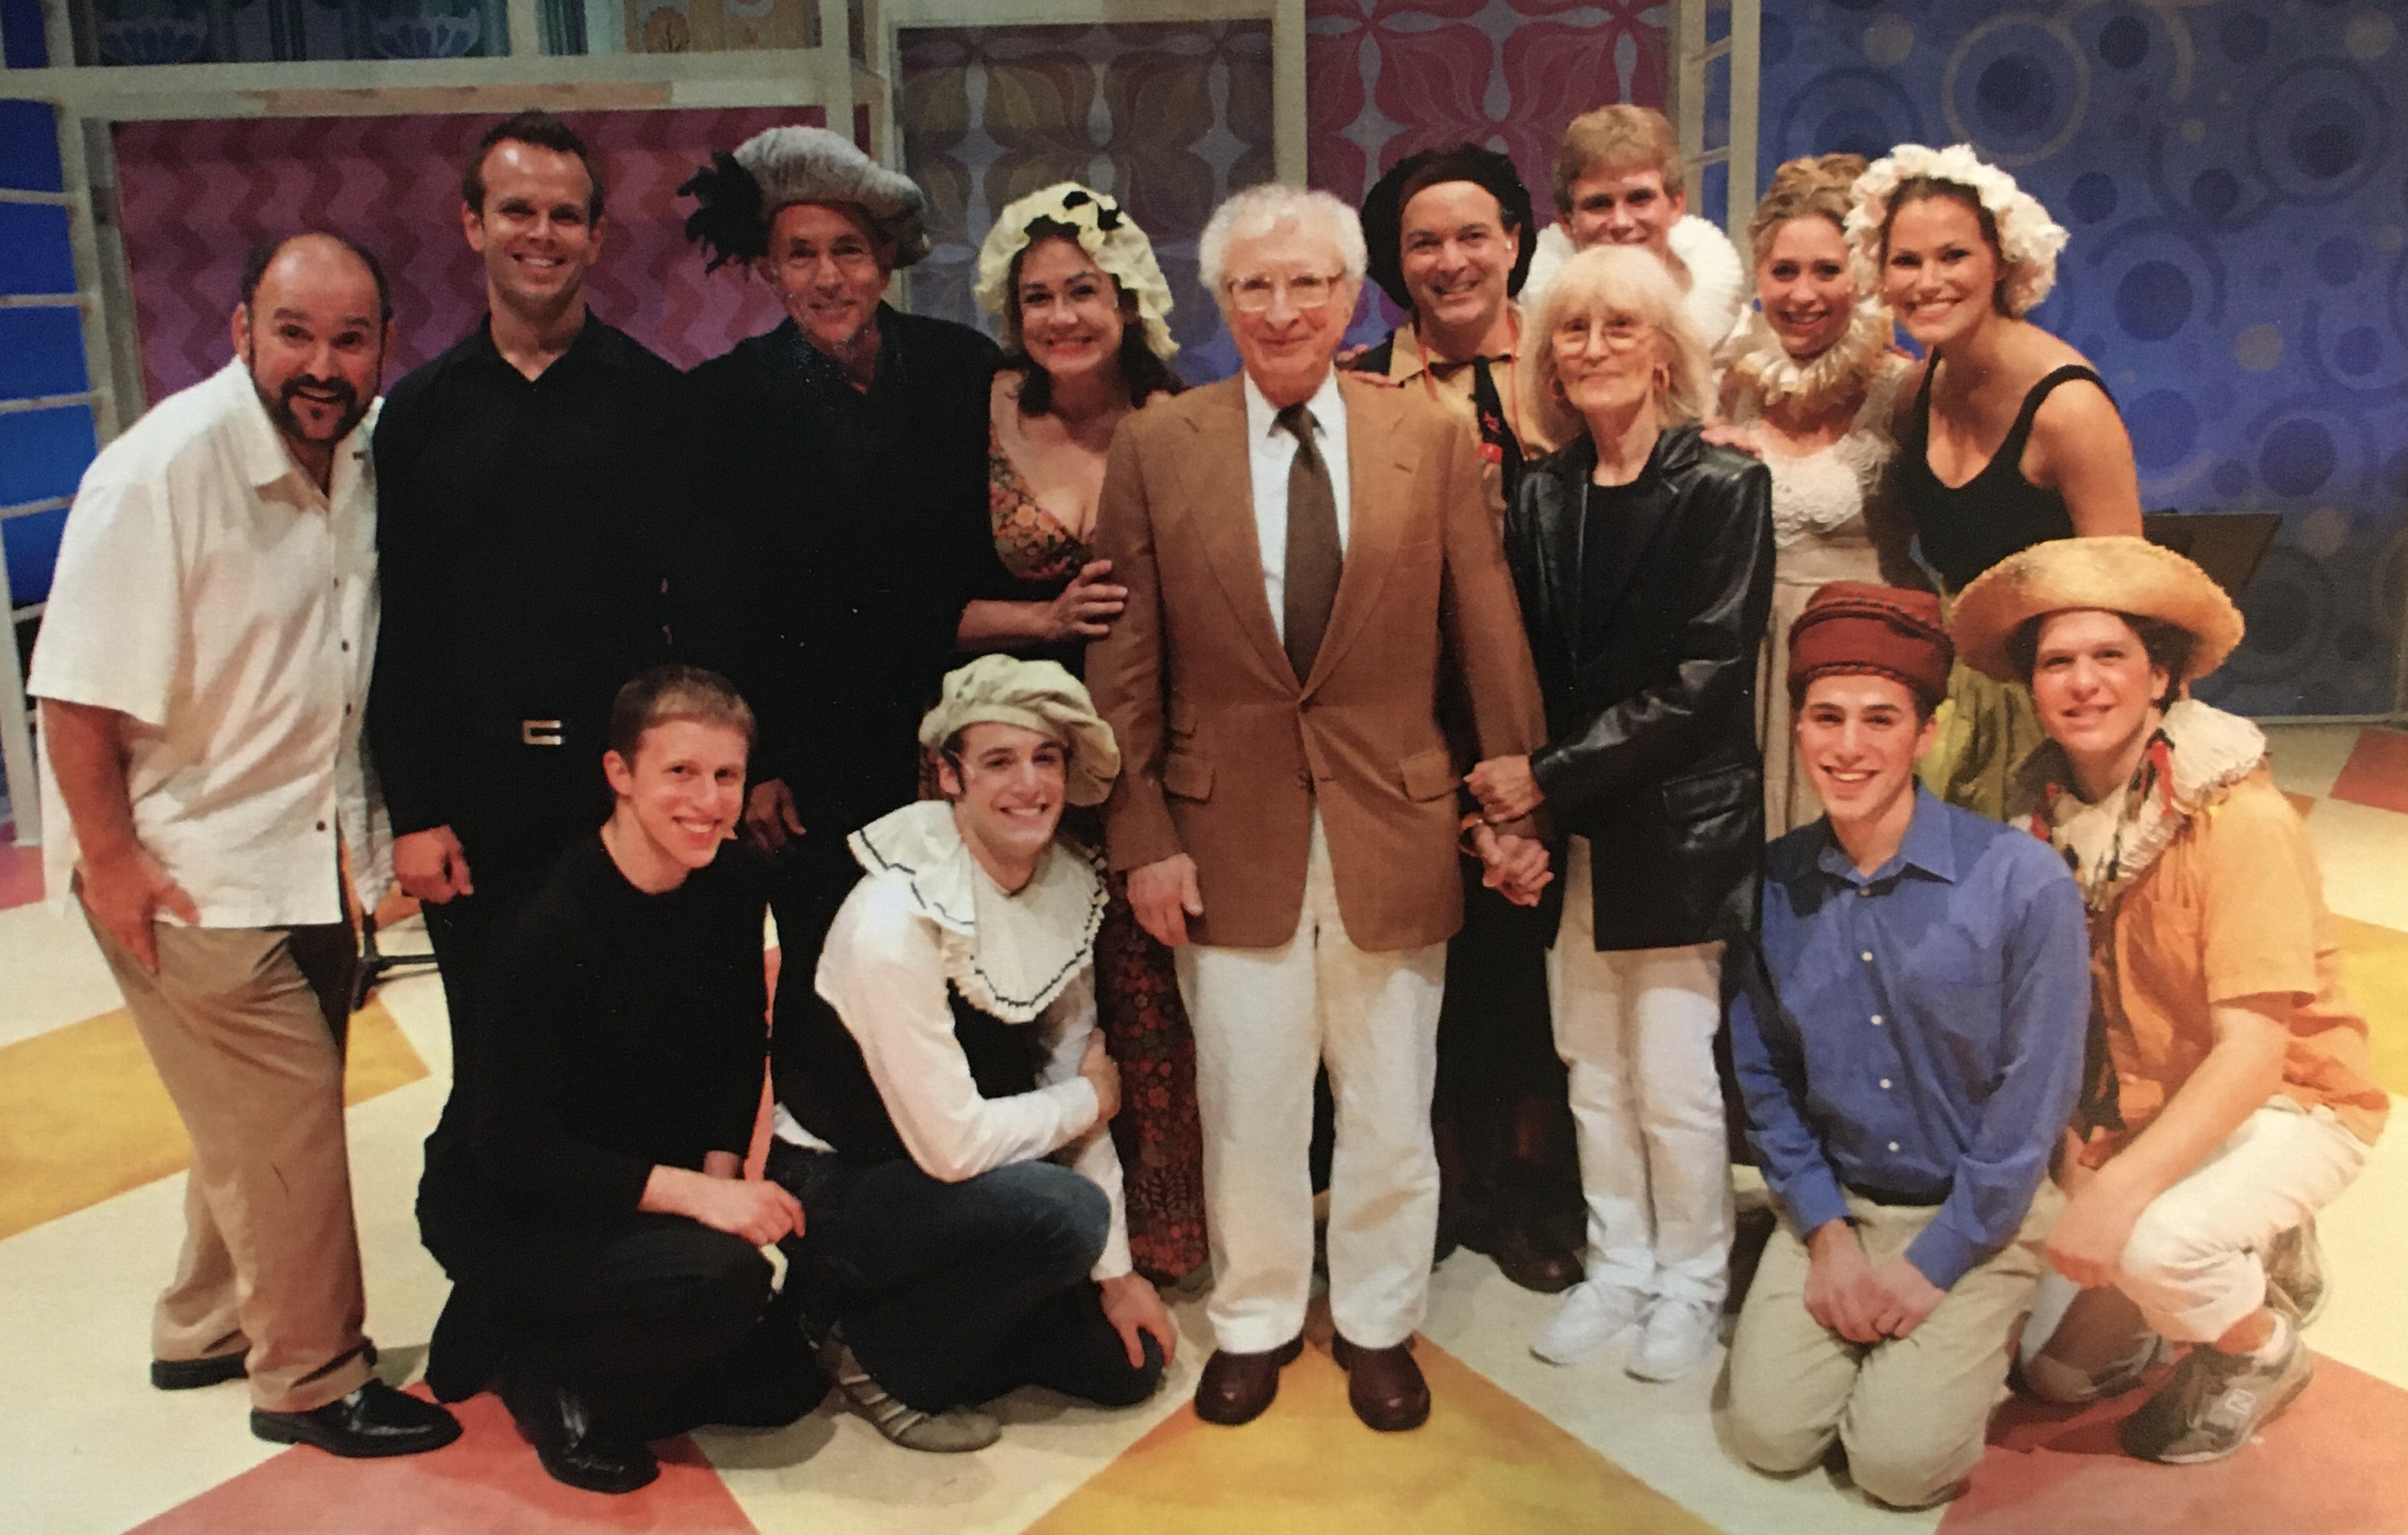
x: 1311, y: 582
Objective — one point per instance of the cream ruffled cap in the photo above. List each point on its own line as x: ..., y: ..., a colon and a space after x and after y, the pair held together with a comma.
x: 2028, y: 238
x: 1107, y: 233
x: 1036, y: 695
x: 2119, y: 573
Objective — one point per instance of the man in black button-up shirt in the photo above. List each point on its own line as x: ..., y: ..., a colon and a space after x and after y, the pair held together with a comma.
x: 529, y: 486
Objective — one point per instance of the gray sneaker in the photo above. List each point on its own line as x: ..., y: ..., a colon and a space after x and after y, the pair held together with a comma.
x: 2295, y: 1265
x: 2215, y: 1402
x: 949, y: 1432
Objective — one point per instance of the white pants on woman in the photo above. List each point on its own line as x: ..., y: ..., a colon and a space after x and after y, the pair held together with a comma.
x: 1636, y: 1028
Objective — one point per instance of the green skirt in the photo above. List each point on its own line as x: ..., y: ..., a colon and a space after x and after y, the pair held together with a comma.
x: 1986, y: 729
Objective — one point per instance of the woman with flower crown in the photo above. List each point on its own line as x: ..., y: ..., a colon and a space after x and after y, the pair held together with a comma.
x: 1082, y: 309
x: 1811, y: 383
x: 2008, y: 437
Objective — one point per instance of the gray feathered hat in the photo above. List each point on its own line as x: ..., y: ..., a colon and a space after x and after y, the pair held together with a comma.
x: 741, y: 193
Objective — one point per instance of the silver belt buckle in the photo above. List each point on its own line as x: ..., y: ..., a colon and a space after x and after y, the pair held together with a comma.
x: 542, y: 732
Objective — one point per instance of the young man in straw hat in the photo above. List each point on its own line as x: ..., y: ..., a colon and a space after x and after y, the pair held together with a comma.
x: 944, y: 1107
x: 2229, y: 1096
x: 1909, y: 1046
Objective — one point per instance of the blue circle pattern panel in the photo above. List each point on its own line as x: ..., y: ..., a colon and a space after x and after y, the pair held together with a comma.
x: 2235, y: 176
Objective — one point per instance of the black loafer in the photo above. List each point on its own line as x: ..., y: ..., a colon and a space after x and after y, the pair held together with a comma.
x: 191, y: 1374
x: 372, y: 1422
x: 555, y: 1420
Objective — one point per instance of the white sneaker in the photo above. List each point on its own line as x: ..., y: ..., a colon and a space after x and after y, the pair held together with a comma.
x: 1679, y: 1337
x: 1594, y: 1313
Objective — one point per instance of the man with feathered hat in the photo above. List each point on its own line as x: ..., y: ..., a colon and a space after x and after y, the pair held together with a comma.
x: 848, y: 448
x: 2229, y: 1096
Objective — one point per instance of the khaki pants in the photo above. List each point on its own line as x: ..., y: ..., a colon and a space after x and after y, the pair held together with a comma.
x: 245, y: 1026
x: 1911, y: 1412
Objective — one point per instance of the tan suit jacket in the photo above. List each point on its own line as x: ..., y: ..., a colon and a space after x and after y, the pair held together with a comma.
x: 1222, y: 752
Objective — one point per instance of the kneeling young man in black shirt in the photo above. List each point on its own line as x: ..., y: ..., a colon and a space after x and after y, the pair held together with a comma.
x: 943, y: 1105
x: 605, y: 1245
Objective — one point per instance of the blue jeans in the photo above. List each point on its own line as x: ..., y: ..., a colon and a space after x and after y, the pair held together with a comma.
x: 957, y: 1293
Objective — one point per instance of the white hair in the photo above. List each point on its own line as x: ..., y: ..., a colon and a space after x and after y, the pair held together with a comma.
x: 1251, y: 214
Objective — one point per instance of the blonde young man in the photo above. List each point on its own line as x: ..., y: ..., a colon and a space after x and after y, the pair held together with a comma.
x: 1305, y: 550
x: 1619, y: 180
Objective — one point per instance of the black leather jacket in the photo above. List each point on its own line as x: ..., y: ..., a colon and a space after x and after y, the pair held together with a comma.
x: 1648, y: 667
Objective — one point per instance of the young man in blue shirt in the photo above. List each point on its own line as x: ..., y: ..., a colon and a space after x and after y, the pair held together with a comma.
x: 1909, y: 1043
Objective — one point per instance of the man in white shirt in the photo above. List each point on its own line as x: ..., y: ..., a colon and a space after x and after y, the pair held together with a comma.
x: 943, y: 1105
x: 1305, y: 551
x: 1619, y: 180
x: 201, y: 668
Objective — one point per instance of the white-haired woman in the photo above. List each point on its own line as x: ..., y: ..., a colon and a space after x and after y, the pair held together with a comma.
x: 2010, y: 437
x: 1644, y: 561
x: 1811, y: 382
x: 1082, y: 310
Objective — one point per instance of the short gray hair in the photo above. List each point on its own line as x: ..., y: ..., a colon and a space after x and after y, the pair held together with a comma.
x: 1615, y: 279
x: 1251, y: 214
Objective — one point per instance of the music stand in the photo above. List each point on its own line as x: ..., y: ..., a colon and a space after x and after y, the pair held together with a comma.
x: 2228, y: 545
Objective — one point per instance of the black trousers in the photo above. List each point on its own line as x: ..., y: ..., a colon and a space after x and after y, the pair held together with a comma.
x: 1495, y: 1053
x: 648, y: 1317
x: 952, y: 1294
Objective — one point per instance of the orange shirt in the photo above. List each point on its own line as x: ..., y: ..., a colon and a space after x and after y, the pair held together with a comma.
x: 2233, y: 908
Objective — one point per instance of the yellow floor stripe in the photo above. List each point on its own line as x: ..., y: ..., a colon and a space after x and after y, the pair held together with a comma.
x: 1484, y: 1462
x: 83, y: 1117
x: 2374, y: 965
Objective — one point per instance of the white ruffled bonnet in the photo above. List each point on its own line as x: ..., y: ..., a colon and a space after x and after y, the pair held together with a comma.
x: 1107, y: 233
x: 2028, y: 238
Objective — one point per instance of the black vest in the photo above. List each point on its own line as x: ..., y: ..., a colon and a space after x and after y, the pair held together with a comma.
x: 830, y: 1093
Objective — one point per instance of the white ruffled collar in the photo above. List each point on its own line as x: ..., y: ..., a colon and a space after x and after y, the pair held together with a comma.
x: 1010, y: 953
x: 2198, y: 753
x: 1758, y: 361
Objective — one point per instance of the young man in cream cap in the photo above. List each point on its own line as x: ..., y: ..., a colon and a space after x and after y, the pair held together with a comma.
x: 2233, y: 1096
x: 943, y: 1108
x: 1909, y: 1045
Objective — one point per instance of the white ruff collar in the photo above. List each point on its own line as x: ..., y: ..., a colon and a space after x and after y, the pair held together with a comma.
x: 1717, y: 280
x: 2198, y: 755
x: 1758, y: 361
x: 1010, y: 953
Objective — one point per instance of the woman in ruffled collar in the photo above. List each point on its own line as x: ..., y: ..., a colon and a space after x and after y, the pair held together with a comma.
x: 1810, y: 383
x: 2230, y: 1093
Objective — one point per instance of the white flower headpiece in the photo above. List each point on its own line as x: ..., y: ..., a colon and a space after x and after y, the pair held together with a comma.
x: 2028, y: 238
x: 1109, y: 237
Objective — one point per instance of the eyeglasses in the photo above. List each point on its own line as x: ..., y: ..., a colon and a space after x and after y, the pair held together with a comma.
x: 1253, y: 295
x: 1616, y: 330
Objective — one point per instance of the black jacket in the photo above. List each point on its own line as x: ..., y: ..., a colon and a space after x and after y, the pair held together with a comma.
x: 1647, y: 663
x: 859, y: 523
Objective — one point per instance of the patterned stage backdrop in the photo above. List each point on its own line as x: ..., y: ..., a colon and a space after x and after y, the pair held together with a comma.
x: 1387, y: 78
x: 1168, y: 118
x: 2233, y: 175
x: 198, y: 194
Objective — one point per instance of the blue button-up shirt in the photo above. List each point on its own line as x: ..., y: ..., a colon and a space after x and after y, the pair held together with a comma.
x: 1916, y: 1029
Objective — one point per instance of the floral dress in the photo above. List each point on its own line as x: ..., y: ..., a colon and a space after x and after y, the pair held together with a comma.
x: 1159, y: 1136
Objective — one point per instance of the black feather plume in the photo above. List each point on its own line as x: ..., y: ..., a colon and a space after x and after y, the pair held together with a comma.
x: 728, y: 220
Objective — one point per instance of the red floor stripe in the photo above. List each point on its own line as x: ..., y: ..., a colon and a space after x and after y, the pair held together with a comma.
x: 486, y: 1483
x: 2331, y: 1464
x: 2376, y: 772
x: 21, y: 869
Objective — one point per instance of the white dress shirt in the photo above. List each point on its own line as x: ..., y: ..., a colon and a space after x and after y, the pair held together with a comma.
x: 1270, y: 453
x: 209, y: 592
x: 886, y: 970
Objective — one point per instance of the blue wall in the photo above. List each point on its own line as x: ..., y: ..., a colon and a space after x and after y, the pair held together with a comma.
x: 2235, y: 175
x: 42, y: 452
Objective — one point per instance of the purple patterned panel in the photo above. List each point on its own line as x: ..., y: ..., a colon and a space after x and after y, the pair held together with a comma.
x: 197, y: 195
x: 1387, y: 78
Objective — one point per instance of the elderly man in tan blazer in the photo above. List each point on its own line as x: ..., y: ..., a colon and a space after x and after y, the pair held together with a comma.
x: 1304, y: 552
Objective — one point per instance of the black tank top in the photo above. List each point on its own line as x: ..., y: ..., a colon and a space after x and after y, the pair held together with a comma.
x: 1965, y: 530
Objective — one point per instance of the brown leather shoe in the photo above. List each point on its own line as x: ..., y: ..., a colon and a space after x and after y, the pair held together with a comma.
x: 1529, y: 1256
x: 1384, y: 1385
x: 1236, y: 1388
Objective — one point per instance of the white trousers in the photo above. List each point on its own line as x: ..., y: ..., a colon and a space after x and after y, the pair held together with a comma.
x: 1637, y: 1028
x: 1263, y: 1019
x: 2192, y: 1265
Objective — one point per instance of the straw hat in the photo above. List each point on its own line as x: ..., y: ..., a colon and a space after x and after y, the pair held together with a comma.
x: 2119, y: 575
